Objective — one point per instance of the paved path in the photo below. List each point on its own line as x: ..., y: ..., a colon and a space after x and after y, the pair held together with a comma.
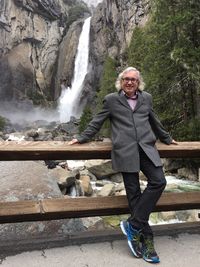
x: 180, y: 251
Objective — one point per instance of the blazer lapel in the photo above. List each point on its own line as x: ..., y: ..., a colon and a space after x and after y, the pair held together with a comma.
x: 139, y: 101
x: 123, y: 100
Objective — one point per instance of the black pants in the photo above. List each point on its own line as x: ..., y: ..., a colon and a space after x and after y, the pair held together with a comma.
x: 142, y: 204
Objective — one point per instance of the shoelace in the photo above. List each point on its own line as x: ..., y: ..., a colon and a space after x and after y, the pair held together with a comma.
x: 149, y: 246
x: 134, y: 235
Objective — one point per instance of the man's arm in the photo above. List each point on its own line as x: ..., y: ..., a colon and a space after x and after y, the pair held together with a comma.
x: 158, y: 128
x: 94, y: 126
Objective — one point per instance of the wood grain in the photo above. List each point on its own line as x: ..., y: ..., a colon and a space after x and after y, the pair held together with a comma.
x: 52, y: 150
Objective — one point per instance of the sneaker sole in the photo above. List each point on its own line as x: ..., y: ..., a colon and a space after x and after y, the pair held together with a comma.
x: 129, y: 242
x: 133, y: 251
x: 123, y: 229
x: 151, y: 261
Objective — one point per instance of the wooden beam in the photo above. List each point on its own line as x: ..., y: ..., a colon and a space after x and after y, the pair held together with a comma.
x: 16, y: 211
x: 52, y: 150
x: 53, y: 209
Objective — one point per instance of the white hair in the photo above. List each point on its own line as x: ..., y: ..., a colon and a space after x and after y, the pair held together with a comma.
x: 119, y: 78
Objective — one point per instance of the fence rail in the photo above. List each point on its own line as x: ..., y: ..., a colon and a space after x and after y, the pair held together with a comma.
x: 59, y: 208
x: 54, y: 150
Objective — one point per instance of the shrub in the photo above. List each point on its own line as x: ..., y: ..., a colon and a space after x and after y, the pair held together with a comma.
x: 85, y: 119
x: 2, y: 123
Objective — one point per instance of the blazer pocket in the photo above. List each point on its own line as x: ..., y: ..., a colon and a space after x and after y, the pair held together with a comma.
x: 124, y: 138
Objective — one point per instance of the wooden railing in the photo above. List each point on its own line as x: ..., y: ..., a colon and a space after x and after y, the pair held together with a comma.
x: 52, y: 150
x: 59, y: 208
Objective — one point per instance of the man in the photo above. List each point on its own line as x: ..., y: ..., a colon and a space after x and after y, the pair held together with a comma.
x: 134, y: 130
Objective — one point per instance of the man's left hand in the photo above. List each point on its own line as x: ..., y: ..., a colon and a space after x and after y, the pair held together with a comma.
x: 174, y: 142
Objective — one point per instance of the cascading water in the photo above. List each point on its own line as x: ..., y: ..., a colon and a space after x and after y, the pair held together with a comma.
x: 70, y: 96
x: 93, y: 3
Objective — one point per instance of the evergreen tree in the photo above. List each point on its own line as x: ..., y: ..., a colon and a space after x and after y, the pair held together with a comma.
x: 85, y: 119
x: 107, y: 82
x: 2, y: 123
x: 107, y: 85
x: 167, y: 51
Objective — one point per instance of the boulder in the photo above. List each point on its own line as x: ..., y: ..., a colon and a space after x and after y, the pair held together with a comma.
x: 107, y: 190
x: 31, y: 180
x: 119, y: 187
x: 100, y: 168
x: 116, y: 178
x: 64, y: 178
x: 86, y: 185
x: 188, y: 173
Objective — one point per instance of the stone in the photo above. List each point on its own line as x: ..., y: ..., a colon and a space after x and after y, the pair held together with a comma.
x: 64, y: 177
x: 31, y: 180
x: 31, y: 133
x: 182, y: 215
x: 171, y: 187
x: 86, y: 185
x: 107, y: 190
x: 172, y: 165
x: 116, y: 178
x: 90, y: 222
x: 193, y: 216
x: 86, y: 172
x: 142, y: 176
x: 121, y: 193
x: 100, y: 168
x: 119, y: 187
x: 188, y: 173
x: 168, y: 215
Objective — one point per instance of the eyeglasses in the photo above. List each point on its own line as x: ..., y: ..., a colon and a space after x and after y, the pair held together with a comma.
x: 127, y: 79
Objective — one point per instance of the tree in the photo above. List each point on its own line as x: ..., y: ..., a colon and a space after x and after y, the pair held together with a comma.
x: 107, y: 85
x: 2, y: 123
x: 85, y: 119
x: 167, y: 51
x: 107, y: 81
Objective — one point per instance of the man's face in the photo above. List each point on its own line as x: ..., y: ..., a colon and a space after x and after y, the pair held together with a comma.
x: 130, y: 82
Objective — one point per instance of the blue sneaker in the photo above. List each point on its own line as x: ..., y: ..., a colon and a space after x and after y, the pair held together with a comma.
x: 148, y: 251
x: 133, y: 237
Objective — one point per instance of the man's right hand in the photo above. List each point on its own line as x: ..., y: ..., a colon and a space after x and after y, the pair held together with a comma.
x: 73, y: 141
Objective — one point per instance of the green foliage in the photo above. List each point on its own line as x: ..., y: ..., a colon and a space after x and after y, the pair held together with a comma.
x: 167, y: 51
x: 85, y: 119
x: 188, y: 131
x: 107, y: 82
x: 107, y: 85
x: 2, y: 123
x: 37, y: 97
x: 76, y: 12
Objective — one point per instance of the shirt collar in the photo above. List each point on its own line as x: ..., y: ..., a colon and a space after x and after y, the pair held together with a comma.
x: 134, y: 97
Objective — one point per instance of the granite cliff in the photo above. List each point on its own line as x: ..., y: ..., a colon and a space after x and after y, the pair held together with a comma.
x: 39, y: 40
x: 33, y: 34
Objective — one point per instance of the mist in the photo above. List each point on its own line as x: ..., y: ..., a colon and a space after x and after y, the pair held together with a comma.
x: 24, y: 112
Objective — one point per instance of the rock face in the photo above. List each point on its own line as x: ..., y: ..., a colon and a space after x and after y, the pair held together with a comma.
x: 32, y: 36
x: 17, y: 182
x: 39, y: 40
x: 112, y: 25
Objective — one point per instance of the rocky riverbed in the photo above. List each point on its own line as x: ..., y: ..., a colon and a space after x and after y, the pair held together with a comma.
x: 52, y: 179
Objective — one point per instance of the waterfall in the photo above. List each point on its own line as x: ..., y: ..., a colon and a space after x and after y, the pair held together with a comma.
x: 70, y: 96
x: 92, y: 2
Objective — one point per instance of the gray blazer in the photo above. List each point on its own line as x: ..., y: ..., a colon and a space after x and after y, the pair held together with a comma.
x: 128, y: 130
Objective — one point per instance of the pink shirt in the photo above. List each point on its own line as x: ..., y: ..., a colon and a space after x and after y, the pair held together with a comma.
x: 132, y: 100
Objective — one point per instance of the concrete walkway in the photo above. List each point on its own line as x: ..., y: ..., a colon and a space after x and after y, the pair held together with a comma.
x: 180, y: 251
